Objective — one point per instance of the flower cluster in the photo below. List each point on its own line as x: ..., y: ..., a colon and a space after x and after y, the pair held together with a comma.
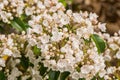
x: 58, y: 39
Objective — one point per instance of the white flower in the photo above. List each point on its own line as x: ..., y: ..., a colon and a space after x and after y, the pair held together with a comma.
x: 44, y: 48
x: 59, y: 5
x: 106, y: 36
x: 75, y: 42
x: 111, y: 70
x: 51, y: 15
x: 53, y: 62
x: 93, y: 17
x: 64, y: 19
x: 56, y: 35
x: 16, y: 53
x: 45, y: 38
x: 35, y: 73
x: 62, y: 64
x: 102, y: 73
x: 10, y: 42
x: 84, y: 14
x: 102, y: 27
x: 2, y: 62
x: 67, y: 49
x: 45, y: 23
x: 118, y: 54
x: 14, y: 74
x: 5, y: 2
x: 25, y: 77
x: 78, y: 56
x: 55, y: 18
x: 20, y: 11
x: 7, y: 52
x: 36, y: 19
x: 88, y: 23
x: 29, y: 31
x: 1, y: 5
x: 31, y: 23
x: 28, y: 11
x: 69, y: 13
x: 47, y: 17
x: 106, y: 77
x: 77, y: 18
x: 47, y: 3
x: 107, y: 57
x: 75, y: 75
x: 3, y: 16
x: 32, y: 41
x: 37, y: 29
x: 79, y: 32
x: 70, y: 57
x: 31, y: 55
x: 85, y: 69
x: 53, y: 9
x: 85, y: 32
x: 113, y: 46
x: 40, y: 5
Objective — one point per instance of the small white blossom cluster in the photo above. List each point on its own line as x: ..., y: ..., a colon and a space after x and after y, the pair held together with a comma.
x: 61, y: 36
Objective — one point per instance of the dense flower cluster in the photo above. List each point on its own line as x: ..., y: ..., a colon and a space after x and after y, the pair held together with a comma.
x: 62, y: 40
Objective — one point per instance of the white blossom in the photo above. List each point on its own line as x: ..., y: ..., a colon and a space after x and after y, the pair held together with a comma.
x: 2, y: 62
x: 102, y: 27
x: 45, y: 38
x: 56, y: 35
x: 14, y: 74
x: 28, y: 11
x: 118, y: 54
x: 85, y: 69
x: 7, y: 52
x: 59, y: 36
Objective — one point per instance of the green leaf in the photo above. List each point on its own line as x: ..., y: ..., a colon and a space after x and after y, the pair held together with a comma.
x: 1, y: 29
x: 53, y: 75
x: 24, y: 64
x: 19, y: 78
x: 87, y: 41
x: 64, y: 75
x: 82, y: 79
x: 23, y: 25
x: 18, y: 24
x: 23, y: 17
x: 99, y: 42
x: 42, y: 69
x: 63, y: 2
x: 94, y: 78
x: 36, y: 50
x: 2, y: 75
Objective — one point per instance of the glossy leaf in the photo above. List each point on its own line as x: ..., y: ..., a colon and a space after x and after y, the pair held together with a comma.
x: 99, y: 42
x: 82, y: 79
x: 2, y: 75
x: 64, y: 75
x: 42, y: 69
x: 24, y: 64
x: 63, y: 2
x: 36, y: 50
x: 53, y: 75
x: 23, y: 25
x: 18, y: 24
